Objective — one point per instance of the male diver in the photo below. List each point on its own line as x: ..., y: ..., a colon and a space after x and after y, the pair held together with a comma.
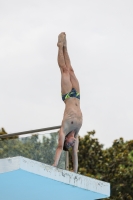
x: 72, y: 119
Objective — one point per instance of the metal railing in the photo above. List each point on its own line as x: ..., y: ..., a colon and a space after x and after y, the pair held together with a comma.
x: 11, y: 135
x: 29, y: 132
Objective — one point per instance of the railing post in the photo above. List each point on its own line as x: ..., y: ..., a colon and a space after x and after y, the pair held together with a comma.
x: 67, y: 161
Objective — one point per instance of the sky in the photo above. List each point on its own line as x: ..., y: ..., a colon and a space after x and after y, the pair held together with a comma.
x: 100, y: 45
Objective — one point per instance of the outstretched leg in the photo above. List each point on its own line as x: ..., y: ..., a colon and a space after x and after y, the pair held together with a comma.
x: 61, y: 60
x: 73, y: 78
x: 66, y: 55
x: 66, y: 84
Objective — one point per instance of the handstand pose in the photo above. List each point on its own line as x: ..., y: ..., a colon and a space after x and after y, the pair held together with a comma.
x: 72, y: 119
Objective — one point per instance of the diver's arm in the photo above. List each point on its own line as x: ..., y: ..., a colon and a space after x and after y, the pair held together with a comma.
x: 75, y: 155
x: 59, y: 147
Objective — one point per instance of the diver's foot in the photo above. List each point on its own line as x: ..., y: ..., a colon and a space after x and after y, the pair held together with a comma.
x: 61, y: 39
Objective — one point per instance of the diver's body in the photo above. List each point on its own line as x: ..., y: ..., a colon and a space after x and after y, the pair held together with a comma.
x: 72, y: 119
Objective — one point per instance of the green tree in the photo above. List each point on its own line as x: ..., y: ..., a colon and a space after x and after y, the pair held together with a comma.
x: 2, y: 131
x: 118, y: 169
x: 114, y: 164
x: 33, y: 148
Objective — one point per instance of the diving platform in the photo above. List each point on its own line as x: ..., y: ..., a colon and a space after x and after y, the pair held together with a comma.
x: 25, y: 179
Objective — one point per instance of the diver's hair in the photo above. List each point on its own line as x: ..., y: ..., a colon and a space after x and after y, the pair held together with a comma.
x: 64, y: 147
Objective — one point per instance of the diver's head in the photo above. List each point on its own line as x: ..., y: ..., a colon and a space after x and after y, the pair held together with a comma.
x: 69, y: 141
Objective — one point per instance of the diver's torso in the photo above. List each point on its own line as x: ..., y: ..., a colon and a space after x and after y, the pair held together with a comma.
x: 72, y: 120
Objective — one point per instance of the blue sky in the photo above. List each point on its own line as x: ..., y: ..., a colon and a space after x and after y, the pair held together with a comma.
x: 100, y: 45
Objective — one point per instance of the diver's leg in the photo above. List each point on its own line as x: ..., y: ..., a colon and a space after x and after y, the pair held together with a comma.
x: 73, y: 78
x: 66, y: 85
x: 61, y: 60
x: 66, y: 55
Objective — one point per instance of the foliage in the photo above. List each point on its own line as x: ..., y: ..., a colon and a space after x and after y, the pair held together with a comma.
x: 33, y: 147
x: 3, y: 132
x: 114, y: 165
